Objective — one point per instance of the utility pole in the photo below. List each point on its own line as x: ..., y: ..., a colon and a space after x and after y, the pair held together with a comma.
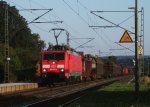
x: 67, y: 33
x: 6, y: 47
x: 148, y: 73
x: 136, y: 71
x: 141, y: 45
x: 136, y: 52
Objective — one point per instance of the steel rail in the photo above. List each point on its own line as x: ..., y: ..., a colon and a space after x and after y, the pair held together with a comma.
x: 66, y: 93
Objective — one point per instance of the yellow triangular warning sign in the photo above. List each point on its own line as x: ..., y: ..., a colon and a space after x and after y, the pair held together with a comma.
x: 126, y: 38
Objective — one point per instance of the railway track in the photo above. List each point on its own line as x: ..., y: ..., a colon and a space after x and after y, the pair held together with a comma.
x: 63, y: 99
x: 45, y: 95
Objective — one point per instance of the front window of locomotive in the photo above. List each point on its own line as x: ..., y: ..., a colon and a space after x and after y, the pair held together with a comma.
x: 54, y: 56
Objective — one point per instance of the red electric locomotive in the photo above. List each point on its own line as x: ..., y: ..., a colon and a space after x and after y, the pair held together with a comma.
x: 60, y: 64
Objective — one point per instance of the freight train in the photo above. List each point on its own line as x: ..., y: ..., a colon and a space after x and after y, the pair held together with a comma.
x: 60, y: 63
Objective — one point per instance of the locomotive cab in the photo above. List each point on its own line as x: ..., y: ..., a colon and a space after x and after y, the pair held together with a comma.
x: 53, y: 66
x: 59, y: 65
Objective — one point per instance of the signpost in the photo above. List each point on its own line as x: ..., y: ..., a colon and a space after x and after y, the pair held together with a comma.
x: 126, y: 38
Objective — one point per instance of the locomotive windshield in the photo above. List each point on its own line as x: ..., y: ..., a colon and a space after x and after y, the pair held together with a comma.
x: 54, y: 56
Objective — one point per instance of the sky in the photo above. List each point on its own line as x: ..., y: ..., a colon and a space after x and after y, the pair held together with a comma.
x: 77, y: 17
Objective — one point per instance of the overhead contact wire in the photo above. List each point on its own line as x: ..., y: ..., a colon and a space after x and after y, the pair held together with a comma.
x: 85, y: 21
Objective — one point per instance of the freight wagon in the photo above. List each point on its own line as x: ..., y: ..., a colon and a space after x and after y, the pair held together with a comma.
x: 108, y: 69
x: 100, y: 68
x: 111, y: 69
x: 117, y: 70
x: 89, y: 64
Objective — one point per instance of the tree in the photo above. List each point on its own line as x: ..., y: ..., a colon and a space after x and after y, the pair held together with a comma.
x: 24, y: 45
x: 113, y: 59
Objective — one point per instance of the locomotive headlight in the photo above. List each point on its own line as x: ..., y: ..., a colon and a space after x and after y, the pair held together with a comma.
x: 44, y: 70
x: 62, y: 70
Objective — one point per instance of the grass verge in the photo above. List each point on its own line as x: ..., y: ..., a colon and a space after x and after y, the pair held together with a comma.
x: 115, y: 95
